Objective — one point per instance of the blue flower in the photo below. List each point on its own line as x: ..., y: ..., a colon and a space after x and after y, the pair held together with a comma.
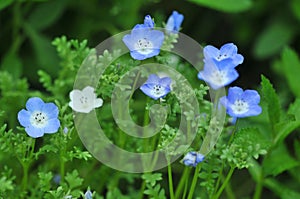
x: 88, y: 194
x: 148, y: 21
x: 218, y: 73
x: 39, y: 118
x: 144, y: 42
x: 241, y: 103
x: 192, y: 158
x: 174, y: 22
x: 227, y: 51
x: 156, y: 87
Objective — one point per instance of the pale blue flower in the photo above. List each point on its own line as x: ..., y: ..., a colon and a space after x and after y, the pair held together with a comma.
x: 174, y: 22
x: 148, y: 21
x: 88, y: 195
x: 241, y: 103
x: 218, y: 73
x: 144, y: 42
x: 156, y: 87
x: 39, y: 118
x: 227, y: 52
x: 192, y: 158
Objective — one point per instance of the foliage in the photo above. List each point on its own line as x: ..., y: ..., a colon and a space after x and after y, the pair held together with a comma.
x: 256, y: 157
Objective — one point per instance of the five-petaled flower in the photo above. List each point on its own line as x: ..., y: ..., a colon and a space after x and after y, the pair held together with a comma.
x: 156, y: 87
x: 218, y: 73
x: 241, y: 103
x: 84, y: 101
x: 227, y: 52
x: 144, y: 42
x: 39, y: 118
x: 192, y: 158
x: 174, y: 22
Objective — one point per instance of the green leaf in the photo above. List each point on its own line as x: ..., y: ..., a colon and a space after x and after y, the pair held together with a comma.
x: 5, y: 3
x: 273, y: 39
x: 225, y: 5
x: 294, y: 109
x: 284, y: 128
x: 45, y: 52
x: 278, y: 161
x: 73, y: 179
x: 151, y: 178
x: 295, y: 7
x: 12, y: 64
x: 270, y: 97
x: 290, y: 66
x: 281, y: 190
x: 48, y: 11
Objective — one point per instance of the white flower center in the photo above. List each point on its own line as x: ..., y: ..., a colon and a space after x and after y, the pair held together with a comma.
x: 84, y: 101
x: 222, y: 56
x: 219, y: 77
x: 38, y: 119
x: 157, y: 90
x: 144, y: 46
x: 240, y: 106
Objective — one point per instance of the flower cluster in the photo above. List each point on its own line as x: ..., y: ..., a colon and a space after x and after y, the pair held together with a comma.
x: 219, y: 71
x: 41, y: 118
x: 219, y: 65
x: 143, y: 41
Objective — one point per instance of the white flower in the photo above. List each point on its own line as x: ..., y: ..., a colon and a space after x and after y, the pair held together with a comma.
x: 84, y: 101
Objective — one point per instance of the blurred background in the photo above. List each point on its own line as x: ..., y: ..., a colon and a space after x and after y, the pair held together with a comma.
x: 260, y: 28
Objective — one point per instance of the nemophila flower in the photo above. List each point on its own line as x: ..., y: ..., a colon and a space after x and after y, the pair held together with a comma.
x: 88, y: 194
x: 174, y: 22
x: 144, y: 42
x: 218, y: 73
x: 39, y: 118
x: 148, y: 21
x: 192, y: 158
x: 241, y: 103
x: 156, y: 87
x: 227, y: 51
x: 84, y: 101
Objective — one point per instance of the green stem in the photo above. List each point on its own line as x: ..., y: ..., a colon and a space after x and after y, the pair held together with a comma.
x: 170, y: 181
x: 194, y: 182
x: 26, y: 163
x: 182, y: 181
x: 229, y: 192
x: 224, y: 183
x: 143, y: 189
x: 25, y: 176
x: 185, y: 188
x: 259, y: 186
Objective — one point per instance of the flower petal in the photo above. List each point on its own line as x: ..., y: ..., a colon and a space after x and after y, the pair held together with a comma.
x: 52, y: 126
x: 98, y: 103
x: 234, y: 93
x: 50, y: 109
x: 229, y: 49
x: 251, y: 96
x: 34, y: 132
x: 210, y: 52
x: 34, y: 103
x: 24, y: 118
x: 152, y: 79
x: 147, y: 89
x: 165, y: 81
